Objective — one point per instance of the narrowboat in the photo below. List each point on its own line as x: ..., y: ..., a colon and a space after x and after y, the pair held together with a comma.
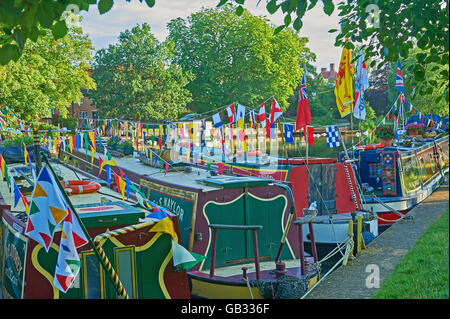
x: 136, y: 253
x: 396, y: 178
x: 198, y: 199
x: 192, y: 191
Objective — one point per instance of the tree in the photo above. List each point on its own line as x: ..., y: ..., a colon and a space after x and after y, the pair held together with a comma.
x: 403, y: 25
x: 136, y: 79
x: 49, y: 75
x: 237, y: 58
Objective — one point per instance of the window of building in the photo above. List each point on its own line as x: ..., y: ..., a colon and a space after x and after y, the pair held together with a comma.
x: 94, y: 114
x: 83, y: 114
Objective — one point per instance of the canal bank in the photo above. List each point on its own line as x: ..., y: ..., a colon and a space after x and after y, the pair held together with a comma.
x: 357, y: 280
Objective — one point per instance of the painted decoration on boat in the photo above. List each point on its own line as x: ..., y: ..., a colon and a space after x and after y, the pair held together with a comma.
x: 389, y: 174
x: 13, y: 261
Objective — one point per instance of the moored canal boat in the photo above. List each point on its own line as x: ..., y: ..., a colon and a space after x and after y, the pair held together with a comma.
x: 394, y: 179
x: 138, y: 249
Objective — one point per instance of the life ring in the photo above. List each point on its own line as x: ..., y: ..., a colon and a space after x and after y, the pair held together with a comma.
x: 81, y: 187
x: 370, y: 147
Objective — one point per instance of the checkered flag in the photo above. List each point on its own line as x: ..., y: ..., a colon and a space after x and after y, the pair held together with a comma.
x: 332, y: 136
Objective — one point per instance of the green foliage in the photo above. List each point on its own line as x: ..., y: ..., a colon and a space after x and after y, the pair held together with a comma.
x: 403, y: 26
x: 239, y: 59
x: 68, y: 122
x: 42, y: 126
x: 17, y: 140
x: 48, y: 75
x: 136, y: 79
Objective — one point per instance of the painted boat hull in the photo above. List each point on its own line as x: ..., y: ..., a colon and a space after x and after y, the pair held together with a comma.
x: 204, y: 287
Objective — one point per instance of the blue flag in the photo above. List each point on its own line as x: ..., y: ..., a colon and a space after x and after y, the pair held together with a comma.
x: 289, y: 133
x: 16, y: 193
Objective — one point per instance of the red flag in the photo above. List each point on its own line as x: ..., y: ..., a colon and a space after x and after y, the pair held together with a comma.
x: 167, y: 168
x: 308, y: 132
x: 267, y: 128
x: 220, y: 168
x: 116, y: 179
x: 100, y: 161
x: 160, y: 143
x: 303, y: 111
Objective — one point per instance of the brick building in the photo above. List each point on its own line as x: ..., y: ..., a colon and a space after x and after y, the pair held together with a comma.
x: 83, y: 110
x: 329, y: 75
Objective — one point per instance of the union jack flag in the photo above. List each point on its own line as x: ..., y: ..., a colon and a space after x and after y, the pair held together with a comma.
x: 302, y: 95
x: 399, y: 78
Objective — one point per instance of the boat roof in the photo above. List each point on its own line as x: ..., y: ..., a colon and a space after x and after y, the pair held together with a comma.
x: 198, y: 178
x: 87, y: 201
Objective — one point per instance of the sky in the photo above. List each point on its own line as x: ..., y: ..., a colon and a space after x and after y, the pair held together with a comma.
x: 105, y: 29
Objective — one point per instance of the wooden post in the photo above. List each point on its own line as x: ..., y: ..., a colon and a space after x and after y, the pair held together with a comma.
x: 255, y: 249
x: 313, y: 242
x: 302, y: 250
x: 358, y: 234
x: 350, y: 235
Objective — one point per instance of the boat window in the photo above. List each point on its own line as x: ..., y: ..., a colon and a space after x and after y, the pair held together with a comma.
x: 125, y: 268
x: 92, y: 276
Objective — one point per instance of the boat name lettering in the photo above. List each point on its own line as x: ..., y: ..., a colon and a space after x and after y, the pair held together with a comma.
x: 172, y: 206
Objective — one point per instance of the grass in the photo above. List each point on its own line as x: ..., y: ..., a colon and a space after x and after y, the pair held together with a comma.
x: 424, y: 272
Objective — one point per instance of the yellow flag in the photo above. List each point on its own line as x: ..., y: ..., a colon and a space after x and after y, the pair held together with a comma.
x: 122, y: 186
x: 91, y: 136
x: 25, y: 154
x: 71, y: 144
x: 109, y: 162
x: 165, y: 225
x: 344, y: 87
x: 92, y: 156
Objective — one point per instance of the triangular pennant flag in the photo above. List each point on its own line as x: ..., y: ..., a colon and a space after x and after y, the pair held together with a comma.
x: 46, y: 211
x: 165, y: 225
x: 180, y: 254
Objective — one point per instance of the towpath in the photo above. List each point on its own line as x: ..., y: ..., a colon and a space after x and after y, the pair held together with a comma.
x: 386, y: 251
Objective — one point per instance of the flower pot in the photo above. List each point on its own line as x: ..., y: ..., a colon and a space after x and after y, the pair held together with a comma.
x: 386, y: 143
x: 413, y: 132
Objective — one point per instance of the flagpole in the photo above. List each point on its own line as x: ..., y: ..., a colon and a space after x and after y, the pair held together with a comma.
x: 120, y: 290
x: 307, y: 143
x: 284, y: 142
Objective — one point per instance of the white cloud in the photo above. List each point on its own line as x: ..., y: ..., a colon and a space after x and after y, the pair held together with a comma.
x: 104, y: 29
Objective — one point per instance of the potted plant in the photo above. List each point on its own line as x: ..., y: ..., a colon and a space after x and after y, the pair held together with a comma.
x: 112, y: 142
x: 414, y: 128
x: 385, y: 134
x: 126, y: 147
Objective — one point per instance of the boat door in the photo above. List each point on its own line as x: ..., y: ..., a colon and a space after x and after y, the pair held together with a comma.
x: 322, y: 187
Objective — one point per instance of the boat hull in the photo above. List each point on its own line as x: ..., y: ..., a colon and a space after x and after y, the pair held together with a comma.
x: 205, y: 287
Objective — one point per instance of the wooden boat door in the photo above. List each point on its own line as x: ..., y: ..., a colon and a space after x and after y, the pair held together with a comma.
x: 322, y: 187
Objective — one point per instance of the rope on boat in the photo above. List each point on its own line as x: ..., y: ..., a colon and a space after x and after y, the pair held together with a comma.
x: 249, y: 288
x: 101, y: 238
x: 349, y: 248
x: 116, y: 279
